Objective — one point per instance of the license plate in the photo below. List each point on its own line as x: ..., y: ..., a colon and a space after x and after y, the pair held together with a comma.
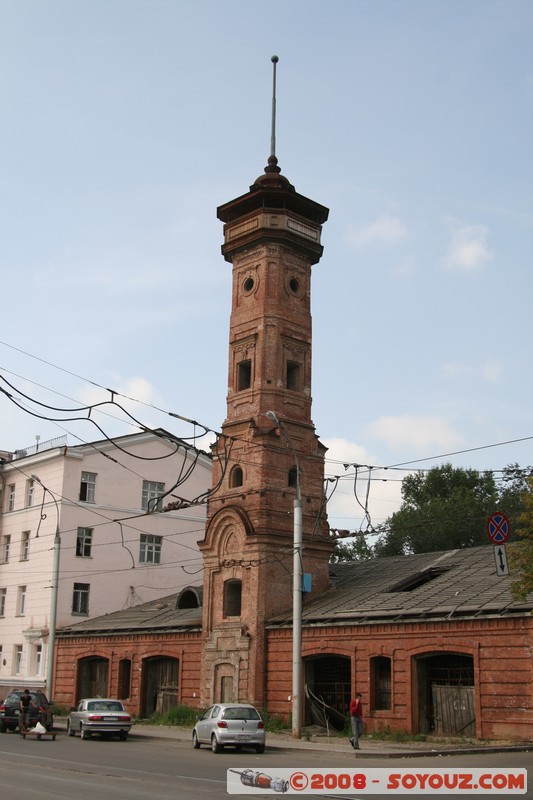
x: 243, y: 738
x: 111, y: 719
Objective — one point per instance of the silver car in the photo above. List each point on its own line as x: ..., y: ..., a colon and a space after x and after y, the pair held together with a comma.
x: 99, y: 715
x: 235, y: 724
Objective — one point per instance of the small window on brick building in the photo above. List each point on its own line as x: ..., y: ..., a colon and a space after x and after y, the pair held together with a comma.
x: 188, y: 598
x: 244, y: 375
x: 380, y: 683
x: 236, y: 477
x: 124, y: 678
x: 294, y: 371
x: 232, y: 598
x: 293, y: 477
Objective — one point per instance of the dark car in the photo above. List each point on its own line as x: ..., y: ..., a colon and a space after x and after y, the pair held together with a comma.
x: 40, y: 711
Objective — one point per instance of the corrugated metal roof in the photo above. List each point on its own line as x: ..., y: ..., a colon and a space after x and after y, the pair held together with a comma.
x: 449, y: 583
x: 161, y: 614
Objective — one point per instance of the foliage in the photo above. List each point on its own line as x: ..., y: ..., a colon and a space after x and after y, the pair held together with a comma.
x: 180, y: 715
x: 59, y: 710
x: 385, y: 733
x: 355, y: 550
x: 521, y: 556
x: 447, y: 508
x: 273, y: 722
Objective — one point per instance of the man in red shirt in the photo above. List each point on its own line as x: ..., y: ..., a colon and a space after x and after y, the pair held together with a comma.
x: 356, y: 718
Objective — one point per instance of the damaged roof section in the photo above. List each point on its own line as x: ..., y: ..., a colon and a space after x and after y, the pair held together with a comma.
x: 438, y: 585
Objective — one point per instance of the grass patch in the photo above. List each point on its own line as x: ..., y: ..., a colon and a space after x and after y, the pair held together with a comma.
x: 385, y: 734
x: 273, y: 722
x: 180, y: 715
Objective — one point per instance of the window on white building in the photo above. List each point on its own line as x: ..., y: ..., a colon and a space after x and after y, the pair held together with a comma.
x: 80, y: 598
x: 11, y: 497
x: 84, y: 541
x: 3, y: 595
x: 6, y: 547
x: 87, y: 487
x: 38, y: 659
x: 30, y: 490
x: 152, y: 492
x: 150, y: 549
x: 21, y: 601
x: 25, y: 546
x: 18, y: 659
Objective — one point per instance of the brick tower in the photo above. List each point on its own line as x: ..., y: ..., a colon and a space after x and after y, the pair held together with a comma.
x: 272, y: 239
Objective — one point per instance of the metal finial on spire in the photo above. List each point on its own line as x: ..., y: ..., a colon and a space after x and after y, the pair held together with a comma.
x: 274, y: 60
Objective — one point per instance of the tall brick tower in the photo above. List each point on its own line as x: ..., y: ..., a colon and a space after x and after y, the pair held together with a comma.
x: 272, y: 239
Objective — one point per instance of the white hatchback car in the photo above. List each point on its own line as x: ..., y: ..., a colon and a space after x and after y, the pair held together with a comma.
x: 234, y: 724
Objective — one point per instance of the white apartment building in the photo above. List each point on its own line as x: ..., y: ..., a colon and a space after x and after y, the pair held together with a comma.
x: 83, y: 532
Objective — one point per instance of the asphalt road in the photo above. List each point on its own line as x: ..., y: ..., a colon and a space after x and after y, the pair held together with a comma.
x: 144, y: 769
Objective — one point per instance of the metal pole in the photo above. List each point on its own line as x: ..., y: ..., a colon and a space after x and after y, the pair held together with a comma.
x: 53, y: 615
x: 297, y: 544
x: 53, y: 601
x: 297, y: 612
x: 274, y: 60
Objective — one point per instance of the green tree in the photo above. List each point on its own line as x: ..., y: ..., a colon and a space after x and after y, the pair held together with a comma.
x: 357, y: 549
x: 443, y: 509
x: 521, y: 555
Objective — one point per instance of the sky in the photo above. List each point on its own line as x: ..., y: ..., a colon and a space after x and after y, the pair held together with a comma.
x: 125, y: 123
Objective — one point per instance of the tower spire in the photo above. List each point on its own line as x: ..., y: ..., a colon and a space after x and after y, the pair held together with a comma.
x: 274, y: 60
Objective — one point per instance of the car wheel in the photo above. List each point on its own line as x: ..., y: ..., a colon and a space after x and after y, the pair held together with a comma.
x: 123, y: 735
x: 84, y: 734
x: 195, y: 742
x: 215, y: 746
x: 3, y: 728
x: 260, y: 748
x: 70, y: 730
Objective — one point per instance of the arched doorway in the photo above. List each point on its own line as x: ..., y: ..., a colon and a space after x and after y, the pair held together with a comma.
x: 327, y: 690
x: 159, y: 685
x: 93, y: 677
x: 445, y: 693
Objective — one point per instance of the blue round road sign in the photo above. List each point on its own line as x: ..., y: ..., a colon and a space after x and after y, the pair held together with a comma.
x: 498, y: 528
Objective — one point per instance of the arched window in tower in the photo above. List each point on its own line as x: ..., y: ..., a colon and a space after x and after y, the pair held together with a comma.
x: 236, y: 477
x: 293, y: 477
x: 232, y: 598
x: 244, y: 375
x: 294, y: 376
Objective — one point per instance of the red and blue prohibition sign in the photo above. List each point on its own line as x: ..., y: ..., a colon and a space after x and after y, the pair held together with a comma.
x: 498, y: 528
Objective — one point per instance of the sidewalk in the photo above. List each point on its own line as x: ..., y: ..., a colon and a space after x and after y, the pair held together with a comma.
x: 315, y: 739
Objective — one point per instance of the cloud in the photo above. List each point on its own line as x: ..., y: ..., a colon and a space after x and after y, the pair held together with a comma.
x: 417, y: 433
x: 344, y: 510
x: 468, y: 249
x: 384, y: 230
x: 490, y: 372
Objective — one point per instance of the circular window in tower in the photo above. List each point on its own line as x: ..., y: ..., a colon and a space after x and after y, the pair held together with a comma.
x: 248, y: 285
x: 294, y: 286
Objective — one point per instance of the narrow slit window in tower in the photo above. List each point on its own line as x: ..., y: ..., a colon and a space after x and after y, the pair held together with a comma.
x: 293, y: 376
x: 236, y: 477
x: 244, y: 375
x: 232, y: 598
